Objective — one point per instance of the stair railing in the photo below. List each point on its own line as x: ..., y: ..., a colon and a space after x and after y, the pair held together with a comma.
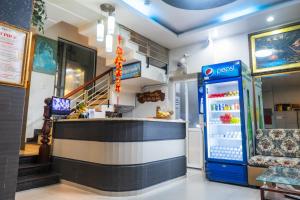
x: 94, y: 91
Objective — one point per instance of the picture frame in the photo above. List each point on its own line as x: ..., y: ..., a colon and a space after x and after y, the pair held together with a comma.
x: 14, y: 55
x: 275, y: 50
x: 45, y: 55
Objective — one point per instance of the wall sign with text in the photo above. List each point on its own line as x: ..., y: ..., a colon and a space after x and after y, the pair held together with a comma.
x: 131, y: 70
x: 155, y: 96
x: 13, y: 55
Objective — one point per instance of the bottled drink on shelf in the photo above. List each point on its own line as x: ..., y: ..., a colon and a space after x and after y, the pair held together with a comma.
x: 225, y: 94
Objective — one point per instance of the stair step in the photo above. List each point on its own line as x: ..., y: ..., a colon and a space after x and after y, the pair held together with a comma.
x: 28, y: 159
x: 99, y: 102
x: 37, y: 180
x: 33, y: 168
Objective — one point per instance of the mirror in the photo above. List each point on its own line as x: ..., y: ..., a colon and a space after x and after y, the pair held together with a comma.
x: 277, y: 101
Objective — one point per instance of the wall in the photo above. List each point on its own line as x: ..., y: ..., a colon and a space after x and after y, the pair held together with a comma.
x: 42, y: 85
x: 282, y: 95
x: 70, y: 32
x: 148, y: 109
x: 17, y: 13
x: 287, y: 94
x: 205, y: 53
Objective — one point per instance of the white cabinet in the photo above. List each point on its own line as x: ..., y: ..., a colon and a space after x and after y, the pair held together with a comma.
x: 195, y: 155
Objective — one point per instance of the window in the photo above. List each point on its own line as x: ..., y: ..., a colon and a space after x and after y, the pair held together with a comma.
x: 76, y: 66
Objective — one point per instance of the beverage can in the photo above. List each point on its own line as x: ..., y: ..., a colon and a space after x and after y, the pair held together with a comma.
x: 220, y: 106
x: 216, y: 107
x: 232, y: 107
x: 223, y: 106
x: 212, y: 107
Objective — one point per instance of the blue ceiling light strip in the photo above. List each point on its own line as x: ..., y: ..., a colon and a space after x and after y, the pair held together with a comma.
x: 147, y: 11
x: 164, y: 24
x: 229, y: 17
x: 197, y: 4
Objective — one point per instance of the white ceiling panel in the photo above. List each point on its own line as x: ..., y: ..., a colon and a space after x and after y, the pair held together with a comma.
x: 84, y: 13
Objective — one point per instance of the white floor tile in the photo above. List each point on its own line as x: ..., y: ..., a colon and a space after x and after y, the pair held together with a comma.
x: 194, y: 187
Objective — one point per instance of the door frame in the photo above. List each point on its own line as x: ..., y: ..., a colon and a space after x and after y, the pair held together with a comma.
x: 200, y: 129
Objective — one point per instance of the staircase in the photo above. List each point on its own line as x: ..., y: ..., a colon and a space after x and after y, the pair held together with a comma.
x: 33, y: 174
x: 95, y: 92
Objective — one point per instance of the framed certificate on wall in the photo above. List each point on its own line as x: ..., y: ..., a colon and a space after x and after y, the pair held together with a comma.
x: 14, y: 43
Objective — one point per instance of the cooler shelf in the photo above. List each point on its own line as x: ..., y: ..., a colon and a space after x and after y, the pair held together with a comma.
x: 220, y: 124
x: 223, y: 98
x: 222, y: 111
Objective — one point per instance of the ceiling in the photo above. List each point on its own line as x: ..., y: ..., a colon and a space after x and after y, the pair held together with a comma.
x: 180, y: 21
x: 173, y: 27
x: 281, y: 81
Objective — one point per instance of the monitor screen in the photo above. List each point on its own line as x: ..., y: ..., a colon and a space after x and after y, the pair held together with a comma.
x: 60, y: 106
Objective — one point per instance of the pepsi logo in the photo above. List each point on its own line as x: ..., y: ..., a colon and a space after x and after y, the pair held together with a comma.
x: 209, y: 72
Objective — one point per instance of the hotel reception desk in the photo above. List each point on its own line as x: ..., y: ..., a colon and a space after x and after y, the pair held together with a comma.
x: 119, y: 155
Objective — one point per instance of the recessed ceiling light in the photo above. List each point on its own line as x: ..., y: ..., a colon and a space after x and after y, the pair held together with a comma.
x: 270, y: 19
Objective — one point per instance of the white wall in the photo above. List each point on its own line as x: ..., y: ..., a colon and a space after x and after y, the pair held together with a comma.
x: 205, y: 53
x: 228, y: 49
x: 42, y: 86
x: 284, y: 95
x: 148, y: 109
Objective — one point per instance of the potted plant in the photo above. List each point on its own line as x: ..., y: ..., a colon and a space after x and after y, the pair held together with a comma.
x: 39, y: 15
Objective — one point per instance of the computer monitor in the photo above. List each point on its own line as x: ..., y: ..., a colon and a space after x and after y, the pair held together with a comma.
x: 60, y: 106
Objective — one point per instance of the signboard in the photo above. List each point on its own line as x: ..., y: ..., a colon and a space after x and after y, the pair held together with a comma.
x: 155, y: 96
x: 132, y: 70
x: 276, y: 50
x: 13, y: 54
x: 222, y: 70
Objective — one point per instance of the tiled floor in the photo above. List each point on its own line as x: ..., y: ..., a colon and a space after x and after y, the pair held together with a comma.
x: 195, y: 187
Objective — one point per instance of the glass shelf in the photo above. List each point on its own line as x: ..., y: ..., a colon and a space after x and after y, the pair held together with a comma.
x: 220, y: 124
x: 223, y: 98
x: 222, y: 111
x: 222, y: 138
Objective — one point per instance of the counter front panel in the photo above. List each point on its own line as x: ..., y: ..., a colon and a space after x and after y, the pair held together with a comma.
x: 119, y: 155
x: 119, y: 130
x: 120, y: 178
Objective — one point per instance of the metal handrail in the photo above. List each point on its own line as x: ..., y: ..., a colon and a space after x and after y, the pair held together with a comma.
x: 104, y: 88
x: 87, y: 84
x: 100, y: 96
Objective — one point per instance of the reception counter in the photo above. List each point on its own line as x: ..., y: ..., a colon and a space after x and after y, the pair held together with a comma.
x: 119, y: 155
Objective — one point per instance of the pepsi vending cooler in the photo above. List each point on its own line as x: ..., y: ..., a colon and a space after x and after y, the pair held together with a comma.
x: 228, y: 125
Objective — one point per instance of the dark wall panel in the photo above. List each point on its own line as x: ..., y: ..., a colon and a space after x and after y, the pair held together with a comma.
x: 11, y: 112
x: 16, y: 12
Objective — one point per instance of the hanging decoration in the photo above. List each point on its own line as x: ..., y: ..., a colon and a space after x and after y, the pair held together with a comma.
x: 119, y: 65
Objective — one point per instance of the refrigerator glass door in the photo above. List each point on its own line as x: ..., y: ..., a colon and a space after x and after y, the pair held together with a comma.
x: 223, y: 118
